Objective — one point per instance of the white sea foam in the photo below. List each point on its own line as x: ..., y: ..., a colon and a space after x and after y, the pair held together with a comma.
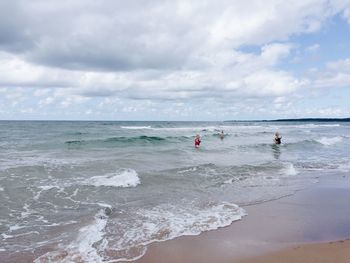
x: 123, y: 178
x: 104, y: 205
x: 136, y: 127
x: 192, y: 169
x: 311, y: 125
x: 2, y: 189
x: 165, y: 222
x: 207, y: 128
x: 43, y: 188
x: 26, y: 211
x: 86, y: 247
x: 330, y: 140
x: 290, y: 170
x: 229, y: 181
x: 344, y: 167
x: 15, y: 227
x: 140, y: 228
x: 4, y: 236
x: 88, y: 236
x: 189, y: 129
x: 75, y: 192
x: 47, y: 187
x: 240, y: 127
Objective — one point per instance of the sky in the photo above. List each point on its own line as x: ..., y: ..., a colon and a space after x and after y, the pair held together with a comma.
x: 174, y: 60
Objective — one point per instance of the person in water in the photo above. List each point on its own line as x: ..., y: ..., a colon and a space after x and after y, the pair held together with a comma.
x: 222, y: 135
x: 278, y: 138
x: 197, y: 141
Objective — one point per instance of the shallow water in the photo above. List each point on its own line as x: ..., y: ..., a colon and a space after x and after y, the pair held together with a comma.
x: 102, y: 191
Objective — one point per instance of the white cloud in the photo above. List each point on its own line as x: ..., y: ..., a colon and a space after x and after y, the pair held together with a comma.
x: 331, y: 111
x: 269, y: 83
x: 16, y: 72
x: 313, y: 48
x: 73, y: 54
x: 332, y: 80
x: 273, y: 53
x: 342, y: 65
x: 124, y: 35
x: 280, y: 99
x: 336, y: 75
x: 46, y: 101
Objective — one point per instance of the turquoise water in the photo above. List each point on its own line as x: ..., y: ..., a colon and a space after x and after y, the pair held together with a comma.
x: 103, y: 191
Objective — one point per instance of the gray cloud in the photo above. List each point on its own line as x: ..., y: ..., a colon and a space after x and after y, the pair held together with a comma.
x: 98, y: 36
x: 14, y: 28
x: 128, y: 35
x: 163, y: 52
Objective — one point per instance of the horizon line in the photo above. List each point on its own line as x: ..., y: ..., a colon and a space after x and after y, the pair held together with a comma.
x: 243, y: 120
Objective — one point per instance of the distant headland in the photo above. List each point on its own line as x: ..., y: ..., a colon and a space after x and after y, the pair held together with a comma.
x: 317, y: 119
x: 297, y: 120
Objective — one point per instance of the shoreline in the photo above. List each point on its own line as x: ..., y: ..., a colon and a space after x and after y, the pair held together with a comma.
x: 312, y: 221
x: 313, y: 216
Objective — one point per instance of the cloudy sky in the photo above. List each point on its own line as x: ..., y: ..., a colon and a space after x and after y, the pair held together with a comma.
x: 174, y: 60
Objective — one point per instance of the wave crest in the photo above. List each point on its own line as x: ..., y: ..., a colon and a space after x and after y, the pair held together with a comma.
x: 165, y: 222
x: 328, y: 141
x: 123, y: 178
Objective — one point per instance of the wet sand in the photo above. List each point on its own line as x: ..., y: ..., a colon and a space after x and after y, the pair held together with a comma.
x: 331, y: 252
x: 319, y: 213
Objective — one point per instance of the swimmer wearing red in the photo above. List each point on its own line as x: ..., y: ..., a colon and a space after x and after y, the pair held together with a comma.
x: 197, y: 141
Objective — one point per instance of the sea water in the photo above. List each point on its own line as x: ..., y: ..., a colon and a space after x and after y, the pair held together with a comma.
x: 103, y: 191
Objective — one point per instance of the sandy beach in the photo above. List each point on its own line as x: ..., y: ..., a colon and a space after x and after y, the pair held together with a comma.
x: 338, y: 252
x: 310, y: 225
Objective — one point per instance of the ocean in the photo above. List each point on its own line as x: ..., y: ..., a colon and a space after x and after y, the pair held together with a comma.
x: 86, y: 191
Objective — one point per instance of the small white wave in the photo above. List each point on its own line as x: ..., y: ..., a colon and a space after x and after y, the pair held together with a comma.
x: 2, y: 189
x: 104, y: 205
x: 136, y: 127
x: 123, y: 178
x: 328, y: 125
x: 330, y: 140
x: 229, y: 181
x: 189, y: 129
x: 43, y: 188
x: 240, y: 127
x: 90, y: 235
x: 165, y: 222
x: 142, y: 227
x: 86, y: 248
x: 26, y: 211
x: 75, y: 192
x: 209, y: 128
x: 4, y: 236
x: 344, y: 167
x: 15, y: 227
x: 312, y: 126
x: 290, y: 170
x: 47, y: 187
x: 192, y: 169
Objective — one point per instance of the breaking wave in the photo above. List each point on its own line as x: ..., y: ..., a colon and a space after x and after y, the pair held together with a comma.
x: 329, y: 140
x: 123, y: 178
